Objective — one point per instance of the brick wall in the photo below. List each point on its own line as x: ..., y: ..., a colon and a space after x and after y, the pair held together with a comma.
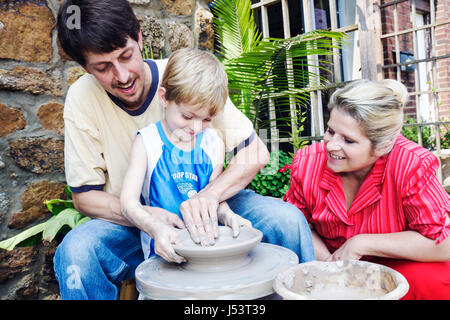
x: 443, y: 48
x: 406, y: 44
x: 34, y: 77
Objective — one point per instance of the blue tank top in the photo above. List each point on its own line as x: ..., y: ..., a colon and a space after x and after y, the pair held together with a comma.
x: 174, y: 175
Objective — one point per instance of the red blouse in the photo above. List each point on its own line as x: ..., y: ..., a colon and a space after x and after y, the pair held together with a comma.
x: 400, y: 193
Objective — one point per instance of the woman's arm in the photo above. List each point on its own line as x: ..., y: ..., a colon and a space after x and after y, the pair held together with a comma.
x: 320, y: 249
x: 409, y: 245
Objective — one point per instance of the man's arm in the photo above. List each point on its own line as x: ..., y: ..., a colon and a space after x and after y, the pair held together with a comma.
x: 100, y: 205
x: 239, y: 173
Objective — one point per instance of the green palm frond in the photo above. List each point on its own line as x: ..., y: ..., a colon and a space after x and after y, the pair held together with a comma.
x: 267, y: 70
x: 237, y: 32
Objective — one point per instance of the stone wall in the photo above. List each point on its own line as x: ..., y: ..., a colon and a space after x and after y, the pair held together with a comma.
x: 34, y: 77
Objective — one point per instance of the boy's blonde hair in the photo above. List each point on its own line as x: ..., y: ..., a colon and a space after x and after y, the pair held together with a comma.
x: 196, y: 77
x: 377, y: 106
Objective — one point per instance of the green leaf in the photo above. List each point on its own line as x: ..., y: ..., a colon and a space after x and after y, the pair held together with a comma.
x: 55, y: 206
x: 235, y: 27
x: 64, y: 217
x: 68, y: 192
x: 82, y: 220
x: 69, y: 216
x: 26, y: 236
x: 257, y: 67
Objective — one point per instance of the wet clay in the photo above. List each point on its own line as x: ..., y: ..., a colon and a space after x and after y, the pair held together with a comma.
x: 227, y: 253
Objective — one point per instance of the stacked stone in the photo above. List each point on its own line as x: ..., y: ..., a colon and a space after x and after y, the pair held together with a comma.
x: 35, y: 74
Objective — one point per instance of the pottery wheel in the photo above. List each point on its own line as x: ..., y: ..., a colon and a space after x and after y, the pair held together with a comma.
x: 250, y: 277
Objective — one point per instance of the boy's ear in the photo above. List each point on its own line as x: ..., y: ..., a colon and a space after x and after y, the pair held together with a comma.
x: 162, y: 96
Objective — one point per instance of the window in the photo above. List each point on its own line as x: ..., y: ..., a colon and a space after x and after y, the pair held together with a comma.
x: 287, y: 18
x: 415, y: 46
x: 405, y: 40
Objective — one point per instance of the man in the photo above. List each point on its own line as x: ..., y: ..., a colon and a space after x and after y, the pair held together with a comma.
x: 103, y: 111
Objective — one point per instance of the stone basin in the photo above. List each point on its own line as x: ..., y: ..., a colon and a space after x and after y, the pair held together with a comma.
x: 340, y: 280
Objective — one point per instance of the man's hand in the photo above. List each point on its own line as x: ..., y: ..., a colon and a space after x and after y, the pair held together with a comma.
x: 228, y: 218
x: 200, y: 212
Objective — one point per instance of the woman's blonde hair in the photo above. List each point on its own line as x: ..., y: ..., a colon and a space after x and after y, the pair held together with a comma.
x: 196, y: 77
x: 376, y: 105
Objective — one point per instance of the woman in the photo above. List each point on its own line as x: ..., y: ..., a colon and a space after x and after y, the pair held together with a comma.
x: 369, y: 193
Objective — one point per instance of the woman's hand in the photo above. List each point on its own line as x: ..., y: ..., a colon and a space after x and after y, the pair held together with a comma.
x: 350, y: 250
x: 410, y: 245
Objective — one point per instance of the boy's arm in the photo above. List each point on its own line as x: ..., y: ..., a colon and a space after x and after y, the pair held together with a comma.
x: 156, y: 222
x: 130, y: 205
x: 132, y: 184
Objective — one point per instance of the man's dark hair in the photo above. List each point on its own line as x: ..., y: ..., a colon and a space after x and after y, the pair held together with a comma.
x: 102, y: 26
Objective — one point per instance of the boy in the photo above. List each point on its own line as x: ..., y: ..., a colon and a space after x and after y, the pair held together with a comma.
x: 175, y: 158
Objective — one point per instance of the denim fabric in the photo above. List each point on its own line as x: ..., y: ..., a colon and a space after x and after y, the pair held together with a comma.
x: 280, y: 222
x: 95, y: 257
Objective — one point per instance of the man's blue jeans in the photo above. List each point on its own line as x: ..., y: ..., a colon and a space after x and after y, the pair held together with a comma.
x: 95, y: 257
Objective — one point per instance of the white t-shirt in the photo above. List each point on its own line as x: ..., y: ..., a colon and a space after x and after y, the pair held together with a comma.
x: 99, y: 133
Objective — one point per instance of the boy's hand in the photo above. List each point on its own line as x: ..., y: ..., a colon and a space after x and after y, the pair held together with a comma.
x: 164, y: 232
x: 165, y: 237
x: 165, y: 216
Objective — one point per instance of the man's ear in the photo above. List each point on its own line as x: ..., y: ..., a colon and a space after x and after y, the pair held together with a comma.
x: 140, y: 41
